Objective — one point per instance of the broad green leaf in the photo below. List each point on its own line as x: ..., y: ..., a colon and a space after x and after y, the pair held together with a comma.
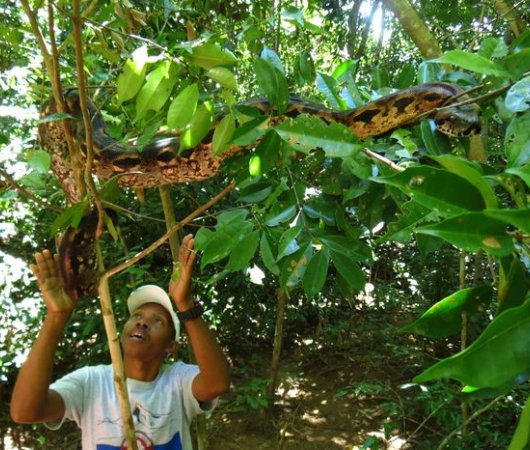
x: 280, y: 213
x: 518, y: 97
x: 466, y: 169
x: 306, y: 133
x: 522, y: 172
x: 256, y: 191
x: 40, y: 160
x: 517, y: 140
x: 328, y: 86
x: 412, y: 214
x: 321, y: 208
x: 288, y: 244
x: 500, y: 355
x: 198, y: 128
x: 349, y: 270
x: 55, y: 117
x: 444, y: 318
x: 267, y: 255
x: 223, y: 134
x: 294, y: 15
x: 224, y: 241
x: 243, y: 252
x: 294, y: 266
x: 305, y: 72
x: 521, y: 437
x: 70, y: 217
x: 473, y: 62
x: 344, y: 68
x: 156, y: 89
x: 357, y: 251
x: 235, y: 216
x: 513, y: 285
x: 272, y: 57
x: 517, y: 64
x: 183, y: 107
x: 223, y: 76
x: 439, y: 190
x: 210, y: 55
x: 316, y: 273
x: 473, y: 231
x: 250, y: 131
x: 435, y: 142
x: 132, y: 77
x: 267, y: 151
x: 273, y: 84
x: 519, y: 218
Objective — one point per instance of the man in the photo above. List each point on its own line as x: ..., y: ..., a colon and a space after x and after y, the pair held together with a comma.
x: 163, y: 398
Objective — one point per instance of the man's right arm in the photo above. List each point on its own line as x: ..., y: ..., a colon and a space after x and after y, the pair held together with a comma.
x: 32, y: 400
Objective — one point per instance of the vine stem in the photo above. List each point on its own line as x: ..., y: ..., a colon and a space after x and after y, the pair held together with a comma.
x: 383, y: 160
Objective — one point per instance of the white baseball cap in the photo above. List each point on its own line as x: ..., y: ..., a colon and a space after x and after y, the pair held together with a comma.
x: 153, y: 294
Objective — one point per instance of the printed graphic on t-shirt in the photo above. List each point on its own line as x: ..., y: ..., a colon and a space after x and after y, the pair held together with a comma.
x: 146, y: 424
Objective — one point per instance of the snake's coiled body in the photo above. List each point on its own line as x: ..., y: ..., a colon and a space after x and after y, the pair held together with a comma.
x: 160, y: 162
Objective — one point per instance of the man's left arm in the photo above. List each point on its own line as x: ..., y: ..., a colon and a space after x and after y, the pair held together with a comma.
x: 214, y: 377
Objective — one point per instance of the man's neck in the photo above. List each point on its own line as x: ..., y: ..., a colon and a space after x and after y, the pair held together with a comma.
x: 141, y: 370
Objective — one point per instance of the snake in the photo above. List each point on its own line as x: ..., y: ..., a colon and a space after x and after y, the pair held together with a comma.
x: 160, y: 162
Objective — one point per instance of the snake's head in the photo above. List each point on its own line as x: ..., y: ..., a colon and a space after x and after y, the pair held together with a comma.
x: 459, y: 121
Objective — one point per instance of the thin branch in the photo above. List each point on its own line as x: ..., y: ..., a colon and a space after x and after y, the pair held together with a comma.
x: 27, y: 193
x: 464, y: 424
x: 383, y: 160
x: 87, y: 120
x: 111, y: 272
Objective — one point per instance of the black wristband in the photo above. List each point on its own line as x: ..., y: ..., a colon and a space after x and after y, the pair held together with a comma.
x: 193, y: 313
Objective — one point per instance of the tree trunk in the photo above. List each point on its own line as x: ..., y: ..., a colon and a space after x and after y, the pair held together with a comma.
x: 508, y: 12
x: 278, y: 335
x: 415, y: 27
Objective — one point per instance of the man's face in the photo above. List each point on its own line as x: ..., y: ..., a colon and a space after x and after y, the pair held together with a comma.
x: 149, y: 333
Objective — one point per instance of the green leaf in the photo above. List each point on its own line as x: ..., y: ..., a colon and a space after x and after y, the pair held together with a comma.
x: 471, y: 172
x: 471, y: 232
x: 435, y: 142
x: 294, y: 267
x: 517, y: 140
x: 328, y: 86
x: 518, y: 97
x: 223, y: 76
x: 250, y: 131
x: 267, y: 255
x: 521, y: 437
x: 349, y: 270
x: 412, y: 214
x: 55, y: 117
x: 183, y: 107
x: 522, y: 172
x: 513, y: 285
x: 40, y: 161
x: 280, y: 213
x: 156, y: 89
x: 519, y: 218
x: 70, y: 217
x: 132, y: 77
x: 267, y: 152
x: 444, y: 318
x: 210, y: 55
x: 354, y: 250
x: 439, y: 190
x: 517, y: 64
x: 223, y: 134
x: 242, y: 253
x: 288, y: 244
x: 273, y: 84
x: 473, y: 62
x: 272, y: 57
x: 321, y: 208
x: 306, y: 133
x: 198, y: 128
x: 500, y: 355
x: 257, y: 191
x: 316, y: 273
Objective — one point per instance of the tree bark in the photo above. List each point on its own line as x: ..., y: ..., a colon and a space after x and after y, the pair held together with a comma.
x: 508, y: 12
x: 415, y: 27
x: 278, y: 335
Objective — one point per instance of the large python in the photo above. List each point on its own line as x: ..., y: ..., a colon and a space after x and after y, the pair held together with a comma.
x: 160, y: 162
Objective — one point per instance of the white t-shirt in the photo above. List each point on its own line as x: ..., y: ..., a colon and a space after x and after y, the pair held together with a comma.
x: 162, y: 409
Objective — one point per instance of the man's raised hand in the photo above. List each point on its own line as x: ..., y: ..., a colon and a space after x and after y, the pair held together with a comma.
x: 180, y: 284
x: 51, y: 283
